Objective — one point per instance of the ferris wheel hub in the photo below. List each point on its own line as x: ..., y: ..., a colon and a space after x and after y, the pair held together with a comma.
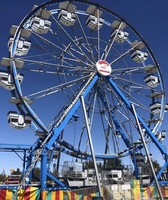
x: 103, y: 68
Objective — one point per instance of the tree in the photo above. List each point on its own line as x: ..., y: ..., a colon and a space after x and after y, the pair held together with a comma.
x: 156, y: 165
x: 16, y: 172
x: 145, y: 168
x: 36, y: 174
x: 2, y: 177
x: 113, y: 164
x: 90, y: 165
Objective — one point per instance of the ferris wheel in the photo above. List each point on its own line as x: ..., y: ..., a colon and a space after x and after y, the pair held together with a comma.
x: 76, y: 66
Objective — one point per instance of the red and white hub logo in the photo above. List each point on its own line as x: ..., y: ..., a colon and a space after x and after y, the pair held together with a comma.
x: 103, y: 68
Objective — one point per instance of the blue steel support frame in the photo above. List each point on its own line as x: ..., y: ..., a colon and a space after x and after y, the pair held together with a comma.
x: 86, y: 156
x: 117, y: 124
x: 57, y: 132
x: 43, y: 172
x: 59, y: 129
x: 127, y: 143
x: 30, y: 159
x: 148, y: 131
x: 62, y: 185
x: 123, y: 135
x: 71, y: 112
x: 17, y: 148
x: 160, y: 173
x: 24, y: 162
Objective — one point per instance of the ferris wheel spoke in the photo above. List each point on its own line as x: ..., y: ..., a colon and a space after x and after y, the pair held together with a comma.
x: 57, y: 68
x: 128, y: 70
x: 107, y: 48
x: 124, y: 124
x: 58, y: 88
x: 111, y: 109
x: 132, y: 83
x: 125, y: 53
x: 77, y: 60
x: 98, y: 34
x: 87, y: 42
x: 113, y: 136
x: 73, y: 41
x: 106, y: 130
x: 131, y: 97
x: 115, y: 143
x: 44, y: 64
x: 68, y: 51
x: 64, y: 50
x: 110, y: 44
x: 127, y: 135
x: 119, y: 105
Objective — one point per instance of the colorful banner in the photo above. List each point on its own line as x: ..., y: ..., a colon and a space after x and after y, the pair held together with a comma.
x: 31, y: 193
x: 82, y: 194
x: 150, y: 192
x: 136, y: 190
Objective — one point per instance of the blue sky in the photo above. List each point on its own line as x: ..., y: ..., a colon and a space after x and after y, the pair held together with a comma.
x: 149, y: 18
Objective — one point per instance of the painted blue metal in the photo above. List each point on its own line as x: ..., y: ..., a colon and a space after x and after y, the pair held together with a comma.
x: 17, y: 148
x: 117, y: 124
x: 14, y: 147
x: 163, y: 168
x: 29, y: 159
x: 14, y: 73
x: 9, y: 187
x: 43, y: 171
x: 74, y: 152
x: 148, y: 131
x: 131, y: 150
x: 163, y: 183
x: 128, y: 105
x: 18, y: 89
x: 61, y: 184
x: 71, y: 112
x: 57, y: 132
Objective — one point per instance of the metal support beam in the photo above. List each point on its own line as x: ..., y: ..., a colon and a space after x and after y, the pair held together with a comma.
x: 128, y: 105
x: 147, y: 152
x: 91, y: 145
x: 62, y: 185
x: 129, y: 144
x: 24, y: 162
x: 43, y: 172
x: 70, y: 111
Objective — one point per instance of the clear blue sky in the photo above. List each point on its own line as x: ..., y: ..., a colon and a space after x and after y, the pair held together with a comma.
x: 150, y: 18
